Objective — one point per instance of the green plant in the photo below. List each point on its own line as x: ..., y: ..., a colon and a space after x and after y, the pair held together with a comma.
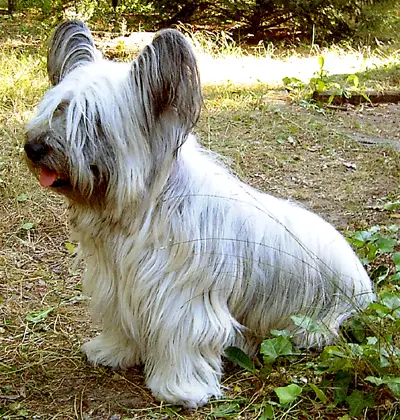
x: 305, y: 93
x: 376, y: 247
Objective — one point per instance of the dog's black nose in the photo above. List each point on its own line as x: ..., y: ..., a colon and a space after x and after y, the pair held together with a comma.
x: 35, y: 151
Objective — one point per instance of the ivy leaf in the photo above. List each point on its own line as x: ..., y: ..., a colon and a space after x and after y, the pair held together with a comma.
x: 309, y: 324
x: 357, y: 401
x: 392, y: 382
x: 288, y: 394
x: 394, y: 386
x: 392, y: 302
x: 281, y: 333
x: 272, y: 348
x: 320, y: 86
x: 396, y: 260
x: 341, y: 385
x: 237, y: 356
x: 385, y: 245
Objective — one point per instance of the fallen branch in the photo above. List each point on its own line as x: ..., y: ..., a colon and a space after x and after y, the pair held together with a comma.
x: 375, y: 97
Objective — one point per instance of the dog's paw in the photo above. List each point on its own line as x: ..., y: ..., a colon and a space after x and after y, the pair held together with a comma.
x: 108, y: 350
x: 188, y: 395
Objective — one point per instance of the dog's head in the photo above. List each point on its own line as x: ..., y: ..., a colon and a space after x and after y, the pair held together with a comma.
x: 104, y: 129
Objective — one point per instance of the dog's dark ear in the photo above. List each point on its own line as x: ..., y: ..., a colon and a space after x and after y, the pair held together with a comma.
x: 165, y: 77
x: 71, y: 45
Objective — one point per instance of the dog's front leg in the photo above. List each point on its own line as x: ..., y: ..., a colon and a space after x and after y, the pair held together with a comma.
x: 112, y: 348
x: 183, y: 359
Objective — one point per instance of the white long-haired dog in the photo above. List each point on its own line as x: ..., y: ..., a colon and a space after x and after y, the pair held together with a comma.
x: 183, y: 259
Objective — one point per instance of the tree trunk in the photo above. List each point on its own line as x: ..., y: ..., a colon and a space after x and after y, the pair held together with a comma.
x: 11, y: 6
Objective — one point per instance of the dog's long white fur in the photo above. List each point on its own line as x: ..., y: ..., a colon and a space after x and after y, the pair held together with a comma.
x: 183, y: 259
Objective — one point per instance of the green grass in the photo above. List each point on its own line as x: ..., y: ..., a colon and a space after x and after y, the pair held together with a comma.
x: 301, y: 153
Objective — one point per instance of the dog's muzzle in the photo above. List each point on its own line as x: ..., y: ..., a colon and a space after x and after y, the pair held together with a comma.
x: 35, y: 151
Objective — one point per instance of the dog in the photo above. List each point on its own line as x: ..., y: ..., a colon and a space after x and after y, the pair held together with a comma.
x: 183, y: 260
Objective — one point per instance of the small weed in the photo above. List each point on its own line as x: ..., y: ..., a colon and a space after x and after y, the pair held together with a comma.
x: 304, y: 92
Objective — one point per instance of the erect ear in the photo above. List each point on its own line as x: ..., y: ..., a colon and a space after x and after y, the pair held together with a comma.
x: 165, y: 77
x: 70, y: 46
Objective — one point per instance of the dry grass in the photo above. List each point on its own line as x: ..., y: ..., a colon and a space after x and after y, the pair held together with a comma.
x: 275, y: 145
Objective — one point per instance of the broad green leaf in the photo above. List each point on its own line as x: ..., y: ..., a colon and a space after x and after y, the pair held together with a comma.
x: 396, y: 277
x: 70, y: 247
x: 268, y: 413
x: 330, y: 351
x: 281, y: 333
x: 375, y: 380
x: 28, y: 226
x: 319, y: 393
x: 358, y: 401
x: 341, y: 385
x: 385, y: 244
x: 391, y: 206
x: 286, y: 80
x: 39, y: 316
x: 321, y: 62
x: 320, y: 86
x: 23, y: 197
x: 357, y: 329
x: 392, y: 302
x: 272, y: 348
x: 393, y: 383
x: 356, y: 349
x: 353, y: 78
x: 237, y: 356
x: 395, y: 388
x: 308, y: 324
x: 372, y: 341
x: 288, y: 394
x: 380, y: 309
x: 396, y: 260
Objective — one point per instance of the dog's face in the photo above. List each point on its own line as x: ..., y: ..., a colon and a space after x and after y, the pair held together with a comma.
x: 104, y: 128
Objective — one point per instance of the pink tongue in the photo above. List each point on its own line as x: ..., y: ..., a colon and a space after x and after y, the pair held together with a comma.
x: 47, y: 177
